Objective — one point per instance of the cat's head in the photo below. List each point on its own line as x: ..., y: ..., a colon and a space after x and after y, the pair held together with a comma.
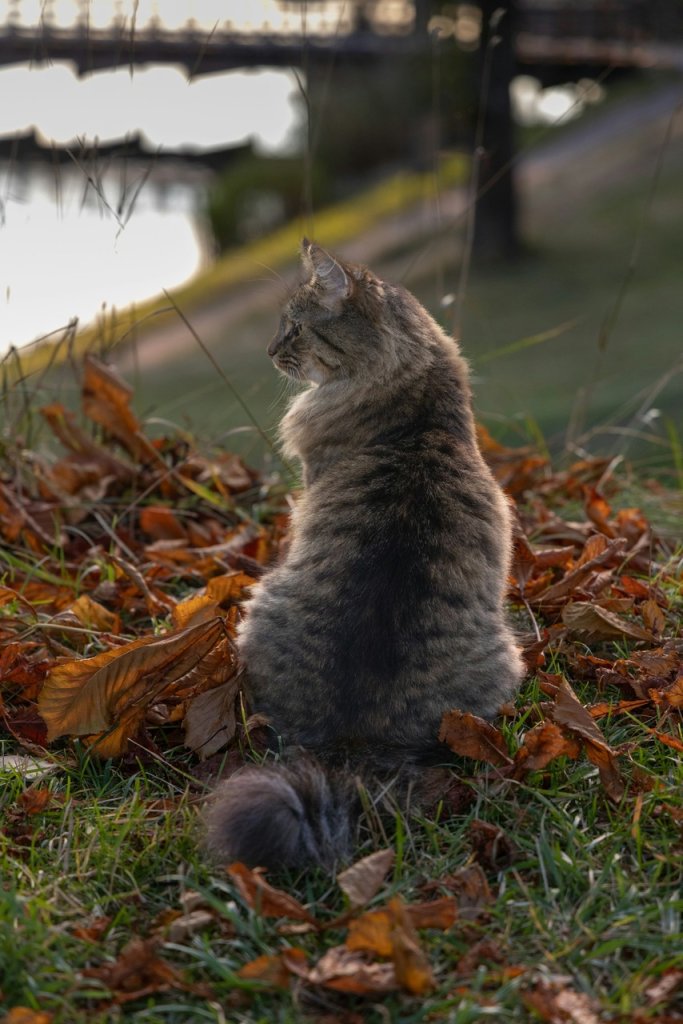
x: 334, y: 325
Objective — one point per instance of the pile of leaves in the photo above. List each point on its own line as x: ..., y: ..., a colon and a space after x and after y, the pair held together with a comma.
x: 126, y: 558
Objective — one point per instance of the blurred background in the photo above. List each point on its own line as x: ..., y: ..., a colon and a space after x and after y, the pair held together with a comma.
x: 518, y: 165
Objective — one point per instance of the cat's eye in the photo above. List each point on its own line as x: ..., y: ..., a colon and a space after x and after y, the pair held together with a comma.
x: 293, y: 331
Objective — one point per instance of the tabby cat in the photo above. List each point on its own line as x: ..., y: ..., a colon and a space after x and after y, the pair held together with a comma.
x: 388, y: 608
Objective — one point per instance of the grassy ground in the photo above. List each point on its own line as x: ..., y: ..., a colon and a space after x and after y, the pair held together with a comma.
x: 577, y: 899
x: 591, y: 894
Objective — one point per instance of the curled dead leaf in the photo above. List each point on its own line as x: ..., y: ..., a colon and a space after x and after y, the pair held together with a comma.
x: 364, y: 879
x: 570, y: 712
x: 263, y: 898
x: 471, y: 736
x: 540, y: 746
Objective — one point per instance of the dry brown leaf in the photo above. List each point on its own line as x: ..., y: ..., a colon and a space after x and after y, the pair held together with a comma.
x: 263, y: 898
x: 492, y: 848
x: 160, y: 523
x: 94, y: 930
x: 674, y: 694
x: 653, y: 616
x: 210, y: 721
x: 441, y: 914
x: 605, y: 708
x: 413, y: 972
x: 561, y: 1005
x: 137, y: 971
x: 667, y: 739
x: 275, y: 971
x: 113, y: 690
x: 471, y: 736
x: 593, y: 621
x: 35, y: 799
x: 472, y: 890
x: 540, y: 746
x: 665, y: 986
x: 106, y: 401
x: 344, y: 970
x: 605, y: 551
x: 93, y: 615
x: 364, y: 879
x: 570, y: 712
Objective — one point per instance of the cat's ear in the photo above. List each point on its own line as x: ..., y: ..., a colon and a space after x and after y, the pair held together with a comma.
x: 326, y: 273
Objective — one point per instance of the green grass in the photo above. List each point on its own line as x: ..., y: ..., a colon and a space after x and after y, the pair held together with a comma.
x: 590, y: 894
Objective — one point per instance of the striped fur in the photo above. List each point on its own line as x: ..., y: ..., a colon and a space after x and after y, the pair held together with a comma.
x: 388, y: 608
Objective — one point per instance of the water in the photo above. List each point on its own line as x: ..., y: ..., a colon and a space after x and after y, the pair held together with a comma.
x: 70, y: 247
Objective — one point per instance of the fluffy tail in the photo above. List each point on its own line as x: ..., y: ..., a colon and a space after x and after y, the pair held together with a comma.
x: 290, y: 816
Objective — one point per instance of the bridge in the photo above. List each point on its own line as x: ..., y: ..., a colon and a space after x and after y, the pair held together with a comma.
x: 99, y: 34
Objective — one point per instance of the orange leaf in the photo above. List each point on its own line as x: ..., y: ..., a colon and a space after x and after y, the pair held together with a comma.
x: 161, y: 523
x: 413, y: 972
x: 605, y: 708
x: 471, y: 736
x: 106, y: 400
x: 364, y: 879
x: 113, y: 690
x: 35, y: 799
x: 441, y: 914
x: 93, y: 615
x: 667, y: 739
x: 540, y: 746
x: 371, y: 933
x: 24, y: 1015
x: 263, y: 898
x: 274, y: 971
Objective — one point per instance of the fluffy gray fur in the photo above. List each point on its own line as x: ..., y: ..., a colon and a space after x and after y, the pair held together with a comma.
x: 388, y: 609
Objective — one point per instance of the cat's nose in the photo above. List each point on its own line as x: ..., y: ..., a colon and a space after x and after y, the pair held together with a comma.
x: 276, y: 342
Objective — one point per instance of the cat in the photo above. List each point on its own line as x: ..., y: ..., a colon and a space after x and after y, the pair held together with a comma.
x: 388, y: 609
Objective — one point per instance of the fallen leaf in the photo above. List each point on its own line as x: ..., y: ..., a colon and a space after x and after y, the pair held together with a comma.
x: 274, y: 971
x: 441, y: 914
x: 569, y: 711
x: 492, y: 848
x: 540, y: 746
x: 35, y: 799
x: 106, y: 401
x: 210, y: 721
x: 94, y: 931
x: 364, y: 879
x: 24, y: 1015
x: 594, y: 621
x: 371, y: 933
x: 471, y: 736
x: 344, y: 970
x: 605, y: 708
x: 113, y: 690
x: 570, y: 581
x: 667, y: 739
x: 561, y: 1005
x: 93, y: 615
x: 263, y: 898
x: 653, y: 616
x: 413, y: 972
x: 137, y: 971
x: 161, y: 523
